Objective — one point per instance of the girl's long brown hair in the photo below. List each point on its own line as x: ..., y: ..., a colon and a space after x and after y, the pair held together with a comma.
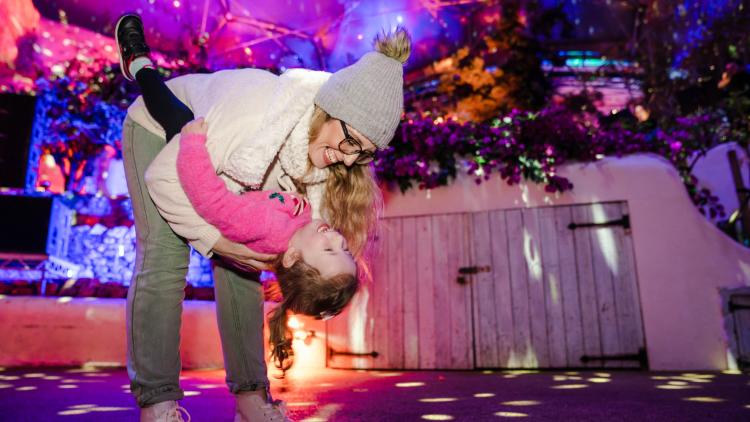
x: 305, y: 292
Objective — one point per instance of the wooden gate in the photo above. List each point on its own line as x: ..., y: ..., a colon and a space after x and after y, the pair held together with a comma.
x: 549, y: 287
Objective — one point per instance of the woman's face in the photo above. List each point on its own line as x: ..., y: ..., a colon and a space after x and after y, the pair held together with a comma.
x: 324, y: 149
x: 323, y: 248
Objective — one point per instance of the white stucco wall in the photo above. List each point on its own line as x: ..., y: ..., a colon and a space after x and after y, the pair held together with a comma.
x: 682, y: 259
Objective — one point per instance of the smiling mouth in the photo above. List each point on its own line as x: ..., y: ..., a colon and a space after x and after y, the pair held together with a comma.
x: 329, y: 156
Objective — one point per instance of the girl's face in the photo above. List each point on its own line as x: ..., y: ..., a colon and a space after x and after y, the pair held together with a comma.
x: 322, y: 248
x: 324, y: 150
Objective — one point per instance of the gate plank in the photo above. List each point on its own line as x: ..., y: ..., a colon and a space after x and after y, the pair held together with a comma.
x: 426, y: 299
x: 501, y: 279
x: 411, y: 290
x: 605, y: 263
x: 626, y: 294
x: 522, y: 355
x: 395, y: 296
x: 587, y: 286
x: 537, y: 311
x: 484, y: 285
x: 569, y: 286
x: 459, y: 295
x: 553, y: 292
x: 443, y: 275
x: 380, y: 290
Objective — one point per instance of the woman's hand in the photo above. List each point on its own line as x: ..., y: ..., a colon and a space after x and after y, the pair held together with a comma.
x: 241, y: 256
x: 196, y: 127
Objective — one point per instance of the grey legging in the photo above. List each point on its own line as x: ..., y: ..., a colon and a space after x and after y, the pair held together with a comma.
x: 154, y: 307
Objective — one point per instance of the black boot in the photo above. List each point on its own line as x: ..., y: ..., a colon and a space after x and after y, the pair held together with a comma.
x: 131, y: 41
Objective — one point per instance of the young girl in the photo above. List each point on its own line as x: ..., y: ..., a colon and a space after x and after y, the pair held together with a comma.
x: 316, y: 128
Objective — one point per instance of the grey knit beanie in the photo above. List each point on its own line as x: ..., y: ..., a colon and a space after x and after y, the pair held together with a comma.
x: 368, y: 96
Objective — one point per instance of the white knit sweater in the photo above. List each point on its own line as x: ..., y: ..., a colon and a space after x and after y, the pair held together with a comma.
x: 257, y: 138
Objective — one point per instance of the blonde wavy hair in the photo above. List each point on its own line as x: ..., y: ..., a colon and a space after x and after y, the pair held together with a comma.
x: 352, y: 202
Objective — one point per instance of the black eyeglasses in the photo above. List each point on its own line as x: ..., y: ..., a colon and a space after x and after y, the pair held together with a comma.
x: 351, y: 146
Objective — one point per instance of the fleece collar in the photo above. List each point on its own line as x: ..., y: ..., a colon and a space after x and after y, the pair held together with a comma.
x: 284, y: 132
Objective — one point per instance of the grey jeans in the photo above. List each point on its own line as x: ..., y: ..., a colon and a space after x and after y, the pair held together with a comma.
x: 154, y: 307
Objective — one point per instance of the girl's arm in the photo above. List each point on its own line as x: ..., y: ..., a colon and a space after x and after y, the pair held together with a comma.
x: 242, y: 218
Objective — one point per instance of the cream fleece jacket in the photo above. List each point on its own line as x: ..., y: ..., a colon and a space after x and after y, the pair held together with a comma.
x: 234, y: 104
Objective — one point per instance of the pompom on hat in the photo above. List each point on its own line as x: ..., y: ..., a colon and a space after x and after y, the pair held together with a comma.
x: 369, y: 94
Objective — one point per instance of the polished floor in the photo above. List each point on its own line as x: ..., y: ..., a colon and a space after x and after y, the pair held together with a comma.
x: 81, y: 394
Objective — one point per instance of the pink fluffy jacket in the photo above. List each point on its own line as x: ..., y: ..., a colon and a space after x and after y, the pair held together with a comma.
x: 264, y: 221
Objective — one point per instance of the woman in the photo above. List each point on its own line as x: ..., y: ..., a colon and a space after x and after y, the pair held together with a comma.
x: 313, y: 130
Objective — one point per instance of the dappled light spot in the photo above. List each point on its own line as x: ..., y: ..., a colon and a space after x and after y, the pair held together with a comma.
x: 511, y: 414
x: 301, y: 404
x: 602, y: 374
x: 8, y: 378
x: 520, y: 372
x: 73, y: 412
x: 52, y: 378
x: 522, y: 403
x: 207, y: 386
x: 572, y: 373
x: 487, y: 372
x: 691, y: 375
x: 325, y: 384
x: 437, y: 417
x: 695, y: 380
x: 676, y: 387
x: 438, y: 399
x: 26, y: 388
x: 569, y: 386
x: 677, y: 383
x: 599, y: 380
x: 67, y: 386
x: 659, y: 377
x: 566, y: 378
x: 109, y: 409
x: 484, y: 395
x: 409, y: 384
x: 386, y: 374
x: 704, y: 399
x: 64, y: 299
x: 82, y: 409
x: 732, y: 372
x: 34, y: 375
x: 192, y: 393
x: 5, y: 386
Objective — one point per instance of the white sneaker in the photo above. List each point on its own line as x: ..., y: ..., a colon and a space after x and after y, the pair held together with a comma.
x: 166, y: 411
x: 252, y: 408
